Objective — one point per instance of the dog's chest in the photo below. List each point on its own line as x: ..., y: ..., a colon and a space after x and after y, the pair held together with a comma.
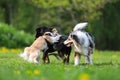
x: 44, y: 47
x: 80, y: 49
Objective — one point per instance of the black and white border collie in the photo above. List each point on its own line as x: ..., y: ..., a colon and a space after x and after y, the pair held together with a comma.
x: 82, y: 43
x: 63, y: 50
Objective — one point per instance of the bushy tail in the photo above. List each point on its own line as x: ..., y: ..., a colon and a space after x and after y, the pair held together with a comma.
x: 21, y: 55
x: 80, y: 26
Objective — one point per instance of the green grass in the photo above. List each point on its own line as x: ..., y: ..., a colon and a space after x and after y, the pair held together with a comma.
x: 106, y: 66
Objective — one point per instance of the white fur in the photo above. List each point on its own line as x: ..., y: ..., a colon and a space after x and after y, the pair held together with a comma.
x: 89, y: 59
x: 80, y: 26
x: 76, y: 60
x: 56, y: 38
x: 83, y: 47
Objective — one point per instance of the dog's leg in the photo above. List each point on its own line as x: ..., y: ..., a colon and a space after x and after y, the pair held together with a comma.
x: 62, y: 56
x: 67, y: 59
x: 30, y: 58
x: 64, y: 59
x: 37, y: 59
x: 46, y: 57
x: 89, y: 57
x: 77, y: 58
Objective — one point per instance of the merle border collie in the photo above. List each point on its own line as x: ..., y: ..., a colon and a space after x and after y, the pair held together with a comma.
x: 82, y: 43
x: 63, y: 50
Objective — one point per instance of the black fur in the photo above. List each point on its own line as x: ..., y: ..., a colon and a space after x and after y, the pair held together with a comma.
x: 93, y: 40
x: 41, y: 30
x: 75, y: 38
x: 63, y: 50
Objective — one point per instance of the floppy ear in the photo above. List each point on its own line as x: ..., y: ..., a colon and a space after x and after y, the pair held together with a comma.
x: 39, y: 32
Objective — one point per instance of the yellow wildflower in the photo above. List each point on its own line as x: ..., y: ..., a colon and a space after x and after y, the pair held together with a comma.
x: 84, y: 76
x: 4, y: 49
x: 36, y: 72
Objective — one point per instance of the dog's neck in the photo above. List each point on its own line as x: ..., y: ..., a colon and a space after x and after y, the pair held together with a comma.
x: 47, y: 39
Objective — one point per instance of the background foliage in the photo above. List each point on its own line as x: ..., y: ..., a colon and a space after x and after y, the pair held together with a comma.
x: 13, y: 38
x: 103, y: 17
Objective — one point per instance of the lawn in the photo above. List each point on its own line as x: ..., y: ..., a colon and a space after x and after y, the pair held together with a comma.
x: 106, y: 66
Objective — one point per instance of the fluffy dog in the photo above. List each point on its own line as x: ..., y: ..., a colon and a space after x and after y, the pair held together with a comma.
x: 32, y: 53
x: 82, y: 42
x: 63, y: 50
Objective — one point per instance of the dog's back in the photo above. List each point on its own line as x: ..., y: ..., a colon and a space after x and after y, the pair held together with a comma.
x: 33, y: 51
x: 39, y: 43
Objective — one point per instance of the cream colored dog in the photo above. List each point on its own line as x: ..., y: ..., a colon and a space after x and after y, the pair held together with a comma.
x: 32, y: 53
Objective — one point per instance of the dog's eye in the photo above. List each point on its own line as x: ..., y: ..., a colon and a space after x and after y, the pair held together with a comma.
x: 48, y: 34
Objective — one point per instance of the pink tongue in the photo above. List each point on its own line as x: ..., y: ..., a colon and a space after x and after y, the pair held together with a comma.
x: 68, y: 45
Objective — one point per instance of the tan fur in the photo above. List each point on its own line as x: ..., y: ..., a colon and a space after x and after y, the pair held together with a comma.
x: 54, y: 31
x: 33, y: 50
x: 32, y: 53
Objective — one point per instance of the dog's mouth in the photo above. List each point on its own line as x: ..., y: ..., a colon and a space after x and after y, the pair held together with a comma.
x: 68, y: 42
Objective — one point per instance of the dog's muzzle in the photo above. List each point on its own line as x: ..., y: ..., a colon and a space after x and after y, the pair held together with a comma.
x: 68, y: 42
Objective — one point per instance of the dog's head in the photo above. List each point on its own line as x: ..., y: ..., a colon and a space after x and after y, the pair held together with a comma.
x: 51, y: 37
x: 48, y: 33
x: 41, y: 30
x: 68, y: 42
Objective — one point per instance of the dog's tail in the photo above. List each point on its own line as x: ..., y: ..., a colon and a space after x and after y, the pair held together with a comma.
x: 21, y: 55
x: 80, y: 26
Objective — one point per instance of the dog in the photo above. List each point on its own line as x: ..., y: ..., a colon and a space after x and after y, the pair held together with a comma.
x: 32, y: 53
x: 63, y: 50
x: 82, y: 43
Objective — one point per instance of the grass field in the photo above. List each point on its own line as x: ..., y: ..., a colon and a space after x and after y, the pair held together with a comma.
x: 106, y: 66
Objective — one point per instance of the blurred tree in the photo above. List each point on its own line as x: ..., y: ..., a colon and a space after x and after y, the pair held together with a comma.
x: 65, y: 14
x: 107, y: 27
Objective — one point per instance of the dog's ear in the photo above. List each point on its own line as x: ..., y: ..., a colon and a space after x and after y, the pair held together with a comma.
x: 54, y: 30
